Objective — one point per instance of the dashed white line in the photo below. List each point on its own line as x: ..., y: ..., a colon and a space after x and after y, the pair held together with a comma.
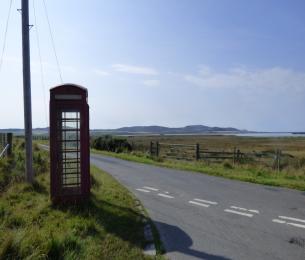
x: 143, y: 190
x: 207, y: 201
x: 293, y: 219
x: 165, y: 196
x: 278, y: 221
x: 244, y: 209
x: 296, y: 225
x: 288, y: 223
x: 239, y: 213
x: 199, y: 204
x: 150, y: 188
x: 234, y: 207
x: 254, y: 211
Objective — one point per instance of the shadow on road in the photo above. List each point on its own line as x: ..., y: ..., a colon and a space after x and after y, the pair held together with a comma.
x: 179, y: 241
x: 127, y: 225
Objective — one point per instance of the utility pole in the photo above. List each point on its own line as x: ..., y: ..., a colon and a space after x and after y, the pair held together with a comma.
x: 27, y: 90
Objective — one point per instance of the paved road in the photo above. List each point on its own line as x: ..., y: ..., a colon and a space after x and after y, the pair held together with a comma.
x: 206, y: 217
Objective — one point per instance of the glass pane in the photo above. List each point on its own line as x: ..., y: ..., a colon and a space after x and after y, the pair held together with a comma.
x: 70, y: 149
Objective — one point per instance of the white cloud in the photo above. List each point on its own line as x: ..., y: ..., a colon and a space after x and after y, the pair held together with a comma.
x: 151, y: 82
x: 102, y: 73
x: 134, y: 69
x: 275, y: 78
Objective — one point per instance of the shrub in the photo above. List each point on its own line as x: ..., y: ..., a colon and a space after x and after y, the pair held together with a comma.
x: 227, y: 165
x: 111, y: 144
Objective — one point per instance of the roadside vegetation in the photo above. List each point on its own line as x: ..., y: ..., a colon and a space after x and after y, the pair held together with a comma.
x: 108, y: 226
x: 111, y: 144
x: 292, y: 166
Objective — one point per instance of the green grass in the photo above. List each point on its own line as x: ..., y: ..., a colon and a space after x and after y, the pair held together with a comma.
x: 290, y: 179
x: 108, y: 226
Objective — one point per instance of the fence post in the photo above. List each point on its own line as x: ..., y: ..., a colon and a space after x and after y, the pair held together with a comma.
x: 278, y: 155
x: 151, y: 148
x: 238, y: 155
x: 9, y: 137
x: 234, y: 155
x: 197, y: 152
x: 157, y: 149
x: 1, y: 140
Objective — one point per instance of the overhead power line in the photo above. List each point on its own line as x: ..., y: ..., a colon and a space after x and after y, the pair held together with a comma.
x: 5, y: 34
x: 52, y: 40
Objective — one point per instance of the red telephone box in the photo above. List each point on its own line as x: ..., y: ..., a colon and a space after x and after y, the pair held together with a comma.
x: 69, y: 143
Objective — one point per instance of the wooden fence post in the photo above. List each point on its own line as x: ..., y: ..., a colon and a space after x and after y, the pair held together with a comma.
x: 238, y: 155
x: 9, y: 137
x: 234, y: 155
x: 197, y: 152
x: 278, y: 157
x: 151, y: 148
x: 157, y: 149
x: 1, y: 140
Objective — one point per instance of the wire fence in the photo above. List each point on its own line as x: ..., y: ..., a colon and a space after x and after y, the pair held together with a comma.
x: 6, y: 140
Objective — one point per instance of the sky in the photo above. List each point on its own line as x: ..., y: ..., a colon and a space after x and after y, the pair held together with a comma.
x: 162, y: 62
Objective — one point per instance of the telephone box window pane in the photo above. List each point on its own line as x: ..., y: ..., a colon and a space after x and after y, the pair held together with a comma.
x: 70, y: 149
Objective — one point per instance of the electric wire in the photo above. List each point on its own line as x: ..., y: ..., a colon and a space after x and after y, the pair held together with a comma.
x: 52, y: 40
x: 5, y: 34
x: 40, y: 61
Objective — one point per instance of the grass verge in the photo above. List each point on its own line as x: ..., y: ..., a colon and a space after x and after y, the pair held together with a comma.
x: 239, y: 172
x: 109, y: 226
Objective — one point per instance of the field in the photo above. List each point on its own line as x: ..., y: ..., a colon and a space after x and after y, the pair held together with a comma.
x: 290, y: 173
x: 292, y: 145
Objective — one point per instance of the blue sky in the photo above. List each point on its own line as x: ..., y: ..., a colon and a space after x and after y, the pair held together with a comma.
x: 164, y: 62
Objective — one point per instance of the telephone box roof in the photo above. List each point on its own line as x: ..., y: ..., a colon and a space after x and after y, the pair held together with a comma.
x: 69, y: 87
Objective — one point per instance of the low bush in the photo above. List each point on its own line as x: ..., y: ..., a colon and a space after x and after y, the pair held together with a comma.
x: 111, y: 144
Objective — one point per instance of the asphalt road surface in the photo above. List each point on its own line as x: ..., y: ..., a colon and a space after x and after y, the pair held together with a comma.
x: 205, y: 217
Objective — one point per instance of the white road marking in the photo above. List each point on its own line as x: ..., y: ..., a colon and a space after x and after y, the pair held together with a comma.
x: 254, y: 211
x: 288, y: 223
x: 278, y: 221
x: 166, y: 192
x: 239, y: 213
x: 296, y: 225
x: 293, y: 219
x: 165, y: 196
x: 150, y: 188
x: 207, y: 201
x: 244, y: 209
x: 234, y: 207
x: 199, y: 204
x: 143, y: 190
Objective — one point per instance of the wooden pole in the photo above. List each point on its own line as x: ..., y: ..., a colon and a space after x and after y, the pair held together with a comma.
x: 238, y: 155
x: 151, y: 148
x: 157, y: 149
x: 197, y: 152
x: 278, y: 160
x: 10, y: 142
x: 27, y: 90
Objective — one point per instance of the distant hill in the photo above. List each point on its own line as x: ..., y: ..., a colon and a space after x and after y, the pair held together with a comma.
x: 191, y: 129
x: 179, y: 130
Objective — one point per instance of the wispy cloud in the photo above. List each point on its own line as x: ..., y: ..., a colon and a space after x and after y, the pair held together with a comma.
x: 151, y: 82
x: 101, y: 73
x: 275, y: 78
x: 135, y: 69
